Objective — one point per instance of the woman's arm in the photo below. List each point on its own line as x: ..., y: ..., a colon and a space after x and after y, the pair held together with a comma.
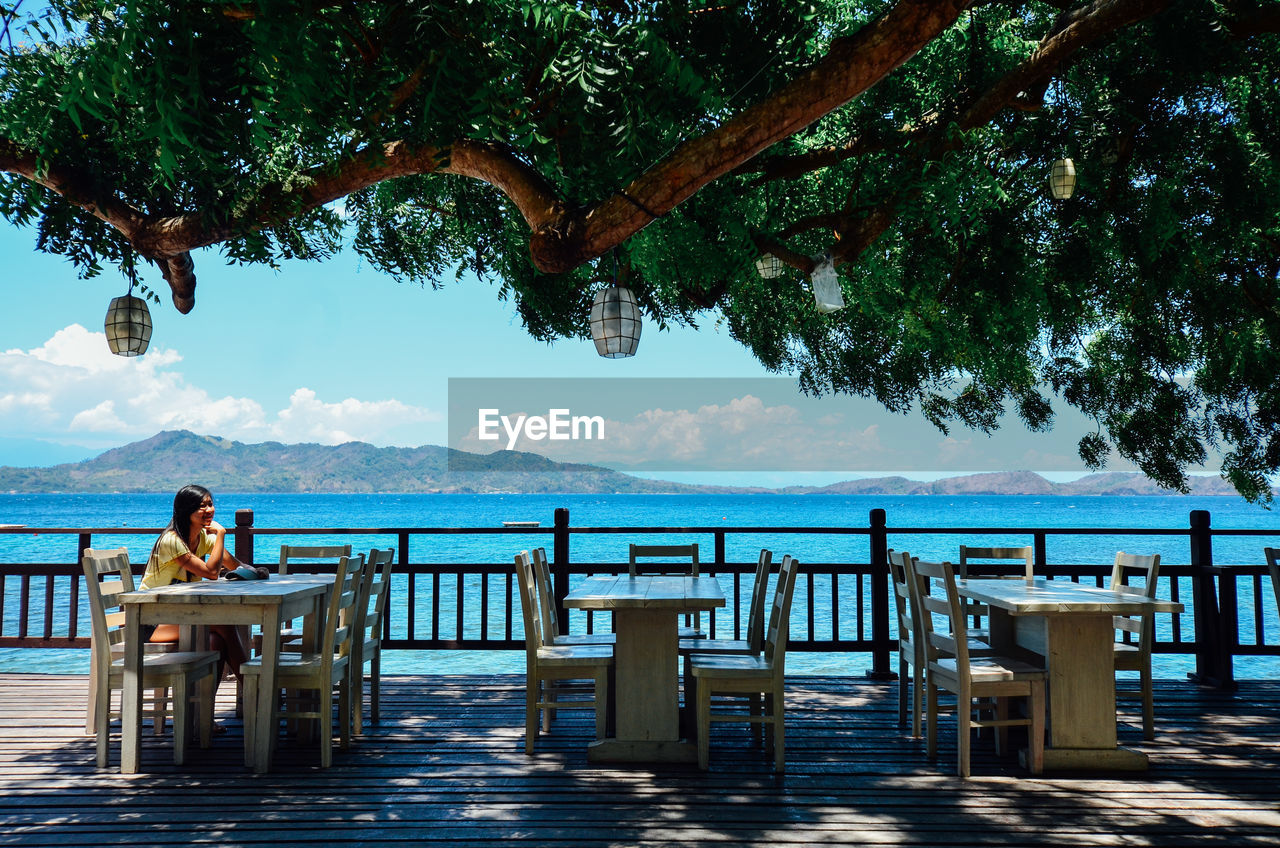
x: 218, y: 555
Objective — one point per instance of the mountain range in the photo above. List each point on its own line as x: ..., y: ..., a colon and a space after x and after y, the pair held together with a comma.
x: 171, y: 459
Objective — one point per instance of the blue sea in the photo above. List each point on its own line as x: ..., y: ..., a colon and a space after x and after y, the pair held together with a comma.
x: 121, y: 512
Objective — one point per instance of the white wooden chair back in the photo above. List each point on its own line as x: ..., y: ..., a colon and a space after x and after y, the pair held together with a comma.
x: 933, y: 585
x: 548, y: 616
x: 105, y: 610
x: 377, y: 586
x: 1127, y: 566
x: 968, y: 554
x: 910, y: 640
x: 775, y: 640
x: 759, y: 595
x: 689, y: 553
x: 315, y: 559
x: 341, y: 621
x: 526, y: 581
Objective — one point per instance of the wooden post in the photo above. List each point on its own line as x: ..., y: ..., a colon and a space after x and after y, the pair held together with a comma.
x: 560, y: 563
x: 1213, y: 657
x: 244, y: 536
x: 882, y: 644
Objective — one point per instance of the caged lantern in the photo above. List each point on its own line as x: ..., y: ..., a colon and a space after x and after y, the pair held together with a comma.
x: 769, y: 266
x: 1062, y: 179
x: 128, y: 326
x: 615, y: 322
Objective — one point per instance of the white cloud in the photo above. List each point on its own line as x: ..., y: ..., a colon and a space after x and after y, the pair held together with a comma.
x: 73, y: 387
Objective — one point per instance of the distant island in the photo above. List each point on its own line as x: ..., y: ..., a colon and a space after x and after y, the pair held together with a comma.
x: 171, y: 459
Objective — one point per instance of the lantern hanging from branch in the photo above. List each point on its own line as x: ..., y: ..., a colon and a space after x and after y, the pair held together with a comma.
x: 826, y: 285
x: 615, y: 319
x: 769, y: 266
x: 1062, y: 179
x: 128, y: 325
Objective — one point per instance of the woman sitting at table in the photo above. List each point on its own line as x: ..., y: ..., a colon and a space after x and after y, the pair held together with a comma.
x: 179, y: 556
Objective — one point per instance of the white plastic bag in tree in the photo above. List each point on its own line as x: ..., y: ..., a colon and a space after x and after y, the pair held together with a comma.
x: 826, y: 286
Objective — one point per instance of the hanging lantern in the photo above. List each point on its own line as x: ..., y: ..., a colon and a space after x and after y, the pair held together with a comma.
x: 128, y: 326
x: 826, y: 285
x: 769, y: 266
x: 1062, y: 179
x: 615, y: 322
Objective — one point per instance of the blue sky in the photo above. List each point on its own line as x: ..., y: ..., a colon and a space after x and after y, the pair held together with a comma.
x: 334, y: 351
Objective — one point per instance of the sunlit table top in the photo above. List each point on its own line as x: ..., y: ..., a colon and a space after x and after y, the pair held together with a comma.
x: 274, y: 590
x: 1045, y: 597
x: 646, y: 592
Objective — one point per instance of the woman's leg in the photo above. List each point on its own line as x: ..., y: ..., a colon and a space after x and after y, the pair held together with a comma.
x: 229, y: 643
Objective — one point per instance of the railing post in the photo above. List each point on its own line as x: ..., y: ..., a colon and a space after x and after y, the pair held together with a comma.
x: 244, y: 536
x: 881, y: 644
x: 1213, y: 657
x: 560, y: 562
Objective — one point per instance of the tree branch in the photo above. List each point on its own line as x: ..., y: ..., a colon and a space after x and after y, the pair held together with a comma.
x: 852, y: 66
x: 1074, y: 31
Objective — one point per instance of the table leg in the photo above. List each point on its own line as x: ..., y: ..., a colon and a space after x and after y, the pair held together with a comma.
x: 648, y: 709
x: 1082, y: 690
x: 266, y: 725
x: 131, y: 695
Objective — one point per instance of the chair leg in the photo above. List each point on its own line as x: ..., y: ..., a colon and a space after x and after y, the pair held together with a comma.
x: 917, y: 697
x: 704, y: 725
x: 756, y: 710
x: 345, y: 716
x: 602, y: 702
x: 902, y: 692
x: 1002, y: 732
x: 1037, y: 707
x: 250, y: 718
x: 326, y: 724
x: 102, y: 723
x: 375, y: 678
x: 931, y: 719
x: 91, y: 712
x: 1148, y: 704
x: 964, y: 705
x: 531, y: 687
x: 181, y: 691
x: 779, y: 731
x: 159, y: 706
x: 205, y: 717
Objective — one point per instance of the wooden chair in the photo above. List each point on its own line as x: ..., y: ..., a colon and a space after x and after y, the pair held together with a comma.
x: 322, y: 672
x: 911, y: 653
x: 551, y: 632
x: 176, y: 670
x: 951, y: 667
x: 742, y: 674
x: 754, y: 643
x: 1273, y: 564
x: 375, y: 587
x: 1131, y: 655
x: 693, y: 621
x: 966, y: 568
x: 309, y: 559
x: 548, y: 667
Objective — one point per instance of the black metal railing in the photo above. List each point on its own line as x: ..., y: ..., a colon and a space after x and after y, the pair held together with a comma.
x: 839, y: 606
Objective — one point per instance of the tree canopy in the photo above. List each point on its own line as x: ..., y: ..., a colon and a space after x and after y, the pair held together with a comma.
x: 911, y: 141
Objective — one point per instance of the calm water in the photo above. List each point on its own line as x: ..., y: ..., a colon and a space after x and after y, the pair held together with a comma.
x: 389, y: 510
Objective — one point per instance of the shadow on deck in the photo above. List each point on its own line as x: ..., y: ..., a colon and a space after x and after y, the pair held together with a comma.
x: 447, y: 765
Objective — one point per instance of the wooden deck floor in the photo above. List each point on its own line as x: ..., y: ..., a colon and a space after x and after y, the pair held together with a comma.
x: 447, y: 765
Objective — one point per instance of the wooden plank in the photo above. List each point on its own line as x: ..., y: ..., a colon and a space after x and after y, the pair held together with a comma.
x: 446, y: 765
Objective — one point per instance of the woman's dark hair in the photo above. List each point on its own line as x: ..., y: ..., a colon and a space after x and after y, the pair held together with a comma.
x: 186, y: 502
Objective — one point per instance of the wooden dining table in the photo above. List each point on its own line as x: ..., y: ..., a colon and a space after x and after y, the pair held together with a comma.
x: 201, y: 603
x: 646, y: 612
x: 1069, y: 628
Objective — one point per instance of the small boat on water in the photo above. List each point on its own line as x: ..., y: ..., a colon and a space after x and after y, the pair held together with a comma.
x: 521, y: 523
